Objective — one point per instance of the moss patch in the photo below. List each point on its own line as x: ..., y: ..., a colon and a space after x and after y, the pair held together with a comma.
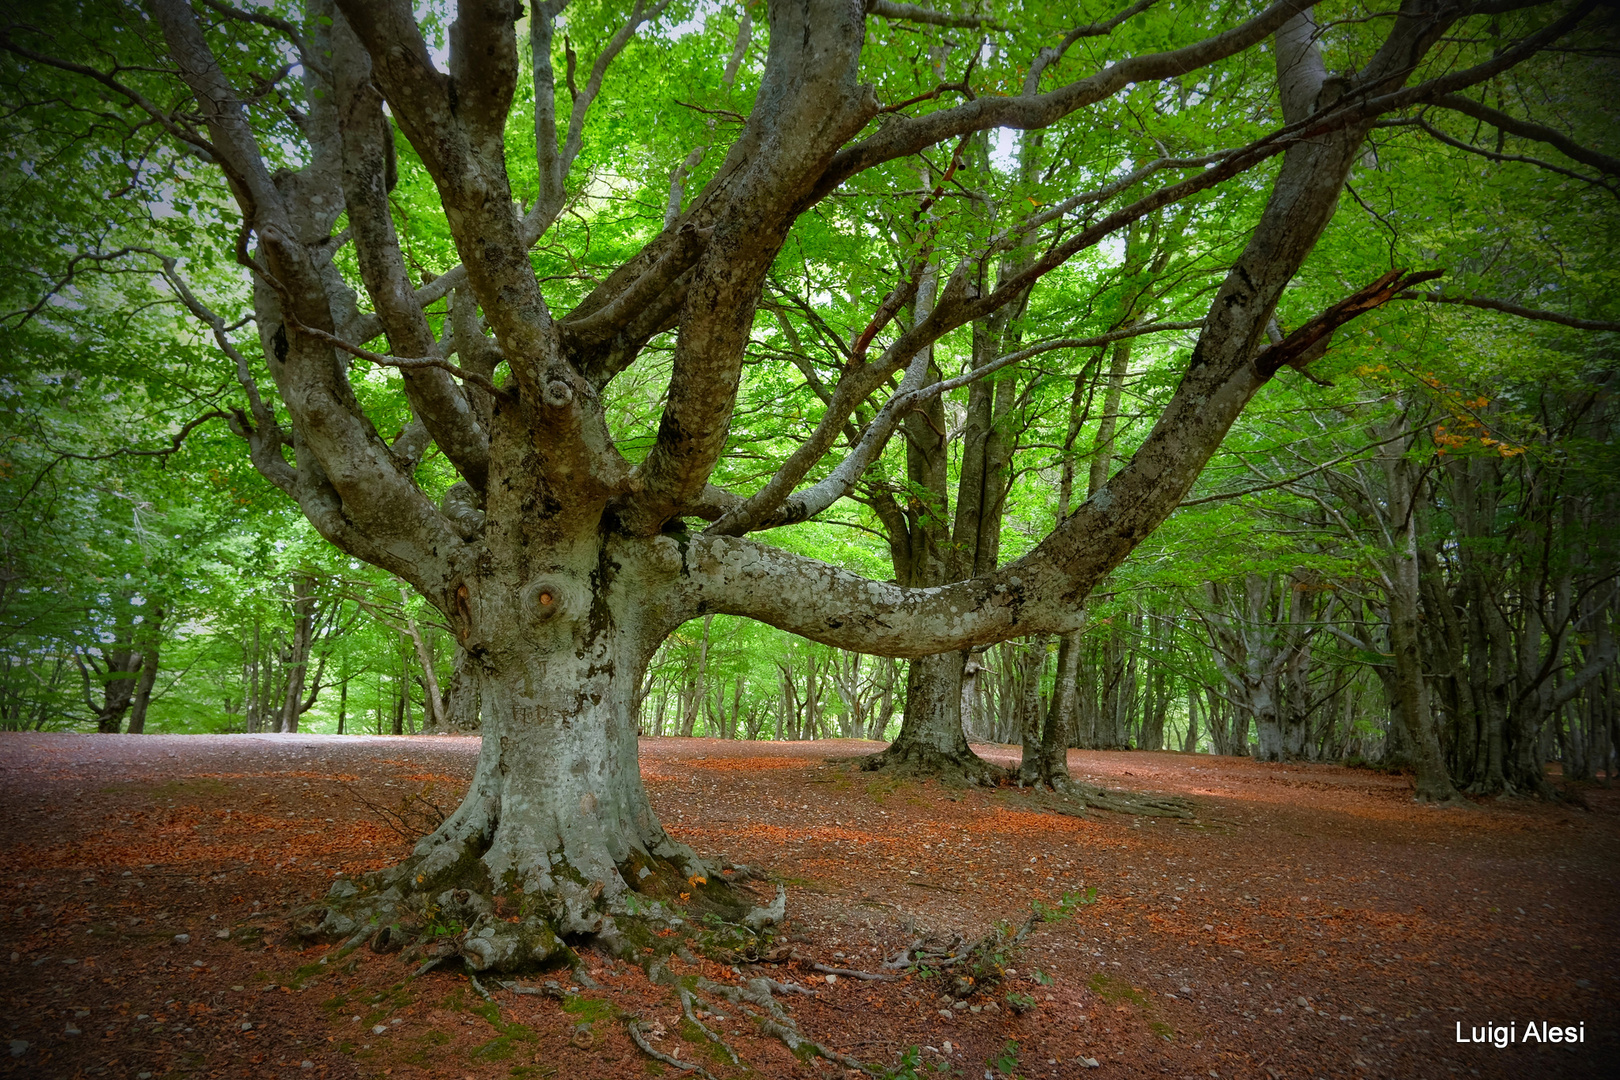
x: 1116, y: 991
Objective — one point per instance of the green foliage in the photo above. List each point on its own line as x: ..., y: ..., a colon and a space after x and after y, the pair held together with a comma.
x: 97, y: 360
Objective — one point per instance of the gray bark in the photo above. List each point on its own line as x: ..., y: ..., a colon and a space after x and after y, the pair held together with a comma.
x: 582, y: 561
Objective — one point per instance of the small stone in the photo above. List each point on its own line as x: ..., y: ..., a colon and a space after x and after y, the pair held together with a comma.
x: 379, y: 1029
x: 1090, y: 1063
x: 831, y: 979
x: 223, y: 935
x: 182, y: 939
x: 19, y: 1047
x: 947, y: 1045
x: 71, y: 1030
x: 946, y: 1013
x: 128, y: 873
x: 1302, y: 1003
x: 143, y: 1076
x: 306, y: 1064
x: 247, y: 1025
x: 238, y: 989
x: 991, y: 1007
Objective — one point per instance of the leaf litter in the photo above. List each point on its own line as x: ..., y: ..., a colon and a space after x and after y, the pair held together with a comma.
x: 1310, y: 921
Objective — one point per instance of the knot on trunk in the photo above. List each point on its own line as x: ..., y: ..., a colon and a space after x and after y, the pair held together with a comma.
x: 549, y: 598
x: 557, y: 393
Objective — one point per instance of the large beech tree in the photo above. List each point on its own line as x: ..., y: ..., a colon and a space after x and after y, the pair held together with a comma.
x: 562, y: 558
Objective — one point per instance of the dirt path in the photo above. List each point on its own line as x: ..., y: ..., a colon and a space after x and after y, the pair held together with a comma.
x: 1312, y: 921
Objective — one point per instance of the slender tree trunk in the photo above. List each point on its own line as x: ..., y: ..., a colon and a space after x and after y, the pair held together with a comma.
x: 434, y: 717
x: 149, y: 640
x: 1433, y: 781
x: 298, y: 652
x: 343, y: 699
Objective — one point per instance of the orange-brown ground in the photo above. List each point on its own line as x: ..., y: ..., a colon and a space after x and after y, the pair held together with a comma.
x: 1312, y: 922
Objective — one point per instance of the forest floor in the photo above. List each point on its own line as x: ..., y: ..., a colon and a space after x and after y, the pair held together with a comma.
x: 1312, y: 922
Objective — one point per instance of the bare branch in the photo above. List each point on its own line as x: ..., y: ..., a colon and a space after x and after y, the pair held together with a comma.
x: 1297, y: 477
x: 1491, y: 155
x: 1509, y: 308
x: 911, y: 134
x: 404, y: 363
x: 760, y: 512
x: 1526, y: 129
x: 189, y: 139
x: 306, y: 55
x: 593, y: 85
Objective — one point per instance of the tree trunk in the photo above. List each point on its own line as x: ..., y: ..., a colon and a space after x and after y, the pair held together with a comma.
x: 463, y: 703
x: 1433, y: 782
x: 296, y: 660
x: 434, y: 716
x: 931, y: 741
x: 149, y: 642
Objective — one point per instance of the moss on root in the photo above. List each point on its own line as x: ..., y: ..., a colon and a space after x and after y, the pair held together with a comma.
x: 505, y: 929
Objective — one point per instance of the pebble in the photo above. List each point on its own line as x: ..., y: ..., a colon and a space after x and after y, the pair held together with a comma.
x: 379, y: 1029
x: 223, y: 935
x: 182, y: 939
x: 71, y: 1030
x: 247, y: 1025
x: 306, y: 1064
x: 19, y: 1047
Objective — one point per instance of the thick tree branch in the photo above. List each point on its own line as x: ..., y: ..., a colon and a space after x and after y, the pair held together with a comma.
x: 441, y: 406
x: 348, y: 482
x: 889, y: 9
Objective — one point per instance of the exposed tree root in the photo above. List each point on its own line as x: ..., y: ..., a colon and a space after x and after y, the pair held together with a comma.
x: 636, y: 1036
x: 869, y: 976
x: 440, y: 910
x: 771, y: 1019
x: 1073, y: 797
x: 915, y: 760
